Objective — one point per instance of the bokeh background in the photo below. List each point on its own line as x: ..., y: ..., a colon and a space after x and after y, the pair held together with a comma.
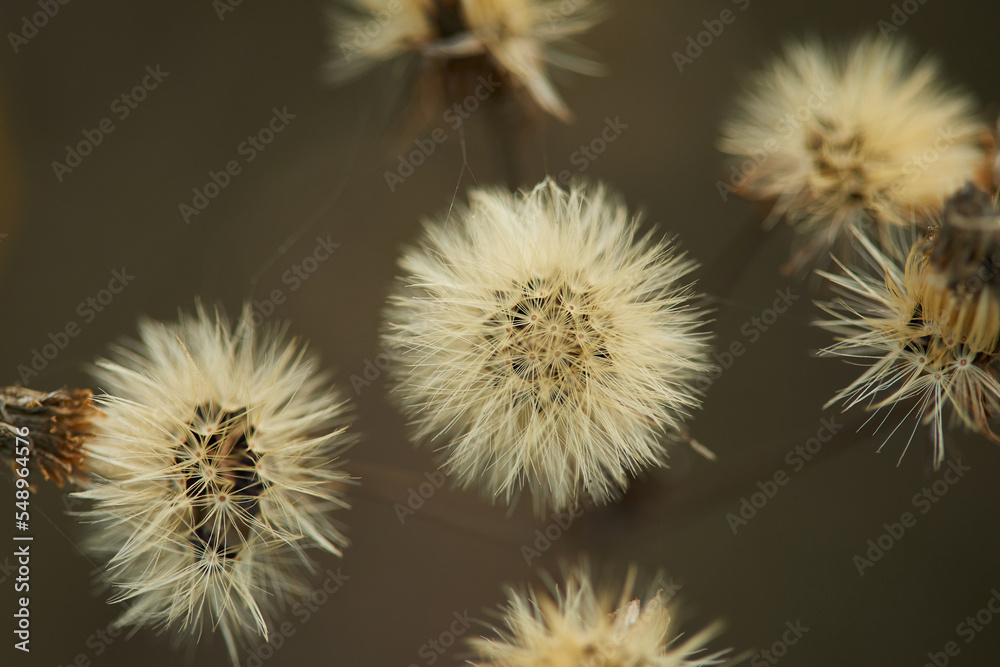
x: 323, y: 177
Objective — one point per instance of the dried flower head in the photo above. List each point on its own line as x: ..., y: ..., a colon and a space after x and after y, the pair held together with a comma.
x: 933, y: 329
x: 994, y: 150
x: 214, y: 471
x: 518, y: 40
x: 843, y: 141
x: 542, y: 344
x: 574, y: 625
x: 57, y: 423
x: 955, y: 275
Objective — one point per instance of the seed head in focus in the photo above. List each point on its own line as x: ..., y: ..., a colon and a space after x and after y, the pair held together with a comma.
x: 517, y: 40
x: 930, y: 333
x: 540, y: 343
x: 215, y: 471
x: 853, y: 141
x: 574, y: 624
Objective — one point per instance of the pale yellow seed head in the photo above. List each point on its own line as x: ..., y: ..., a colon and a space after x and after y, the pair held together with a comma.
x: 572, y: 624
x: 216, y: 471
x: 541, y: 343
x: 914, y: 365
x: 844, y: 141
x: 522, y: 40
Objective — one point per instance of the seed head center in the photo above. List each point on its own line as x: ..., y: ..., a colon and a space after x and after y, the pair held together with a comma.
x: 545, y: 341
x: 219, y: 474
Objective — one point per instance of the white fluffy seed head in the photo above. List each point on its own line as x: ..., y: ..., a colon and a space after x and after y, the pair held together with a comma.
x: 843, y: 140
x: 215, y: 469
x: 519, y: 38
x: 540, y: 343
x: 920, y: 355
x: 573, y: 624
x: 366, y: 33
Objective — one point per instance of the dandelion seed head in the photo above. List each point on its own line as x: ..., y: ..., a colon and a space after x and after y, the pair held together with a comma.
x: 365, y: 33
x: 573, y: 624
x: 542, y: 344
x: 840, y: 141
x: 927, y: 341
x: 215, y: 471
x: 520, y: 39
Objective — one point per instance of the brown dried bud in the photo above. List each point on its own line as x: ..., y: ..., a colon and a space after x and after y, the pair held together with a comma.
x: 955, y: 272
x: 58, y: 423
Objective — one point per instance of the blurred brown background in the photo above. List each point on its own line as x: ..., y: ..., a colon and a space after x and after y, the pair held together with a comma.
x: 323, y: 175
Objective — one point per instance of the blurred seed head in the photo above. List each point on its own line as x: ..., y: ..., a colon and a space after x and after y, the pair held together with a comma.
x: 58, y: 424
x: 542, y: 344
x: 215, y: 471
x: 849, y: 141
x: 574, y: 625
x: 929, y: 335
x: 517, y: 40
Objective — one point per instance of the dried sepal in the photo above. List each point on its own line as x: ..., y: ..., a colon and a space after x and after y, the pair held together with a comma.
x: 57, y: 422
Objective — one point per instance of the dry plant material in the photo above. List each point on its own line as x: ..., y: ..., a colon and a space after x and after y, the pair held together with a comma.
x: 58, y: 422
x: 928, y: 332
